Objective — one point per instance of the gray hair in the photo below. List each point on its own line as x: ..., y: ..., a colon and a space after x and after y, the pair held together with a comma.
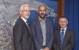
x: 24, y: 5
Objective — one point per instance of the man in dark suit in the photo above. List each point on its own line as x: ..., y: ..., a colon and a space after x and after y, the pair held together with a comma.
x: 42, y: 30
x: 21, y: 31
x: 63, y: 36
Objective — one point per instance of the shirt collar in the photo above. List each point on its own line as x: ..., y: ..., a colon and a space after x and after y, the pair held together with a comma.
x: 41, y: 19
x: 64, y: 28
x: 25, y: 20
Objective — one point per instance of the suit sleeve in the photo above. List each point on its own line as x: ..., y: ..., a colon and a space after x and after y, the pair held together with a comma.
x: 55, y: 42
x: 17, y: 34
x: 71, y: 42
x: 37, y: 45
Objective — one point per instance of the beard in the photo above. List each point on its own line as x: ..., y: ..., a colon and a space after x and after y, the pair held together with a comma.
x: 42, y: 15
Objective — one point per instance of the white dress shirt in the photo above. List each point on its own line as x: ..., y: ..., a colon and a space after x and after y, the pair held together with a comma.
x: 43, y: 28
x: 64, y: 30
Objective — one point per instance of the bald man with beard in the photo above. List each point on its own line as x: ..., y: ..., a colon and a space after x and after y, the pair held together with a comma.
x: 42, y: 30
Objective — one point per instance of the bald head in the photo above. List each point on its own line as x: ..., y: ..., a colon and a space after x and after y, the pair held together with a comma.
x: 43, y: 6
x: 25, y: 11
x: 42, y: 9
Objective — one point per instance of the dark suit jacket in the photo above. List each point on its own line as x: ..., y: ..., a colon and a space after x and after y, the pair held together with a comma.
x: 68, y: 40
x: 37, y: 33
x: 22, y: 36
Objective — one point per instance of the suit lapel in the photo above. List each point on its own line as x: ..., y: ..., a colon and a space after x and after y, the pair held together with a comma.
x: 65, y: 37
x: 39, y: 31
x: 58, y: 36
x: 47, y: 31
x: 26, y: 26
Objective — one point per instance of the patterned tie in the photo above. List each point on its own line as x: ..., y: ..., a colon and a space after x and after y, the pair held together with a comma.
x: 62, y: 35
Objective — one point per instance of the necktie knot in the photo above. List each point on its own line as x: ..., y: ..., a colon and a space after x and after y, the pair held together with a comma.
x: 62, y: 29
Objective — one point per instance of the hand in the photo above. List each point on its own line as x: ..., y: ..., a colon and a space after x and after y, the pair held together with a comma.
x: 46, y: 48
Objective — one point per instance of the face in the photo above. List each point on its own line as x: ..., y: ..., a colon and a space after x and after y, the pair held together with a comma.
x: 42, y: 11
x: 63, y: 22
x: 25, y: 12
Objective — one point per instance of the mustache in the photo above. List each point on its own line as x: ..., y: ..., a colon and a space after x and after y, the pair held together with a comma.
x: 42, y: 13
